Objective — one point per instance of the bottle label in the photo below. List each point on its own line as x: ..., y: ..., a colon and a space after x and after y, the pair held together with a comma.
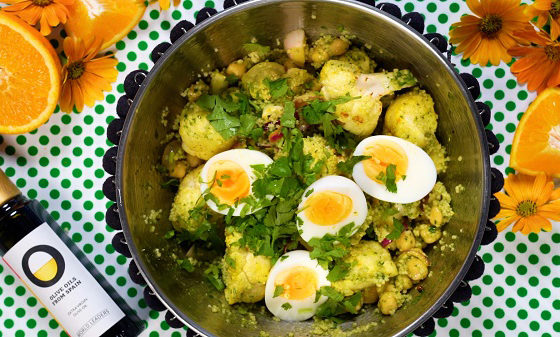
x: 62, y: 284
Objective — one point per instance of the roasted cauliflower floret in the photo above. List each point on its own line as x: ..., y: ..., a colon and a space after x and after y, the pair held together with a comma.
x: 318, y: 148
x: 371, y: 265
x: 437, y: 152
x: 254, y: 79
x: 359, y: 58
x: 272, y: 113
x: 338, y: 79
x: 199, y: 137
x: 359, y: 116
x: 411, y: 116
x: 437, y: 210
x: 244, y: 273
x: 186, y: 199
x: 385, y: 83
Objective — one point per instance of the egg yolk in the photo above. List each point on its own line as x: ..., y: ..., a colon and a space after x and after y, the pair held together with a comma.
x: 384, y: 153
x: 327, y: 207
x: 231, y: 182
x: 298, y: 282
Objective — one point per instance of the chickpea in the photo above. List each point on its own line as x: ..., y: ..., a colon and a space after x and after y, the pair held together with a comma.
x: 429, y: 233
x: 319, y: 56
x: 388, y: 303
x: 370, y: 295
x: 403, y: 282
x: 435, y: 217
x: 406, y: 241
x: 236, y: 68
x: 417, y: 270
x: 179, y: 170
x: 338, y: 47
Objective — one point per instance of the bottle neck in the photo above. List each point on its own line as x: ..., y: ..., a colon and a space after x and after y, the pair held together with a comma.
x: 12, y: 205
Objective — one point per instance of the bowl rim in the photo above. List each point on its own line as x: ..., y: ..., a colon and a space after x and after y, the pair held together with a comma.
x: 357, y: 5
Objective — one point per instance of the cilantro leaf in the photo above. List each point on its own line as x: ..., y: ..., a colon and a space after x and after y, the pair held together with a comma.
x: 352, y: 302
x: 186, y: 265
x: 286, y: 306
x: 339, y: 271
x: 278, y: 290
x: 213, y: 275
x: 247, y: 124
x: 398, y: 228
x: 169, y: 234
x: 348, y: 166
x: 278, y: 88
x: 288, y: 118
x: 281, y: 167
x: 389, y: 178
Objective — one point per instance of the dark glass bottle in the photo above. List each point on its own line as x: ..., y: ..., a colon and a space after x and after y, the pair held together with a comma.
x: 38, y: 250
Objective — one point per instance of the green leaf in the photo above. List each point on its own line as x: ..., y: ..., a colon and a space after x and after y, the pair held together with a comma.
x: 169, y: 234
x: 352, y: 302
x: 398, y: 228
x: 279, y: 290
x: 186, y: 265
x: 281, y: 167
x: 286, y: 306
x: 278, y: 88
x: 348, y: 166
x: 339, y: 271
x: 389, y: 178
x: 207, y: 102
x: 288, y: 118
x: 213, y: 275
x: 230, y: 261
x: 247, y: 124
x: 224, y: 123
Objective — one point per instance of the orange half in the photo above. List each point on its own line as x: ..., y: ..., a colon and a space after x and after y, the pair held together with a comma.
x: 107, y: 20
x: 536, y: 144
x: 29, y: 76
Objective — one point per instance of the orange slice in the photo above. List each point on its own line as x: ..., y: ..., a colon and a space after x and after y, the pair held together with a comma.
x: 536, y: 144
x: 108, y: 20
x: 29, y: 76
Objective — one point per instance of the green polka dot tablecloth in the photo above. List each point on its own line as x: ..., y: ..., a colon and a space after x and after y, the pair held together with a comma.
x: 60, y: 165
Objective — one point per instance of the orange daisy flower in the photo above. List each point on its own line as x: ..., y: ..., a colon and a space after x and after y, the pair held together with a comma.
x: 487, y: 35
x: 165, y: 4
x: 528, y: 203
x: 539, y: 63
x: 49, y: 13
x: 85, y: 77
x: 546, y: 11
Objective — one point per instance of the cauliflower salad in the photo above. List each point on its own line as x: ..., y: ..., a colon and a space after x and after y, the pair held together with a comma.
x: 307, y: 179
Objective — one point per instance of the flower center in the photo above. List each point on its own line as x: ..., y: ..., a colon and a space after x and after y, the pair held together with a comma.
x: 555, y: 9
x: 42, y: 3
x: 526, y: 208
x: 552, y: 52
x: 76, y: 70
x: 490, y: 25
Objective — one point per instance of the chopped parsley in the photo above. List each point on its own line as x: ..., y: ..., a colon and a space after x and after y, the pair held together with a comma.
x: 388, y: 178
x: 278, y: 290
x: 278, y: 88
x: 186, y: 265
x: 348, y: 165
x: 336, y: 303
x: 330, y: 248
x: 288, y: 118
x: 214, y: 275
x: 169, y: 234
x: 286, y: 306
x: 339, y: 271
x: 398, y: 228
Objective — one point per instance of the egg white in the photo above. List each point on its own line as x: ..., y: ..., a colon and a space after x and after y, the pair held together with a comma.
x: 421, y: 174
x: 342, y: 185
x: 301, y: 309
x: 244, y: 158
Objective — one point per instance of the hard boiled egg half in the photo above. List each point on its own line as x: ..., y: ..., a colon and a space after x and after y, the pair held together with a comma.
x: 415, y: 172
x: 292, y: 285
x: 229, y: 177
x: 329, y: 204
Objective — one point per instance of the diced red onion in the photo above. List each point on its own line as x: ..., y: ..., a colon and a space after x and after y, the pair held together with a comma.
x: 275, y: 136
x: 386, y: 242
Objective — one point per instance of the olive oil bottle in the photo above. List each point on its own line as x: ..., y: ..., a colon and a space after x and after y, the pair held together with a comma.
x: 56, y: 271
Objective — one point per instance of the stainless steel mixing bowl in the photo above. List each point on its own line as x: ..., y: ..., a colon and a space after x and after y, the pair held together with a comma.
x: 216, y: 42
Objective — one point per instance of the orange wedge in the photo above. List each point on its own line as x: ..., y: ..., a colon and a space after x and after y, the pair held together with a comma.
x: 536, y: 144
x: 29, y: 76
x: 108, y: 20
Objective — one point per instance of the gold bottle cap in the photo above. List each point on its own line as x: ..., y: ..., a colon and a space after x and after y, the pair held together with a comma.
x: 7, y: 188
